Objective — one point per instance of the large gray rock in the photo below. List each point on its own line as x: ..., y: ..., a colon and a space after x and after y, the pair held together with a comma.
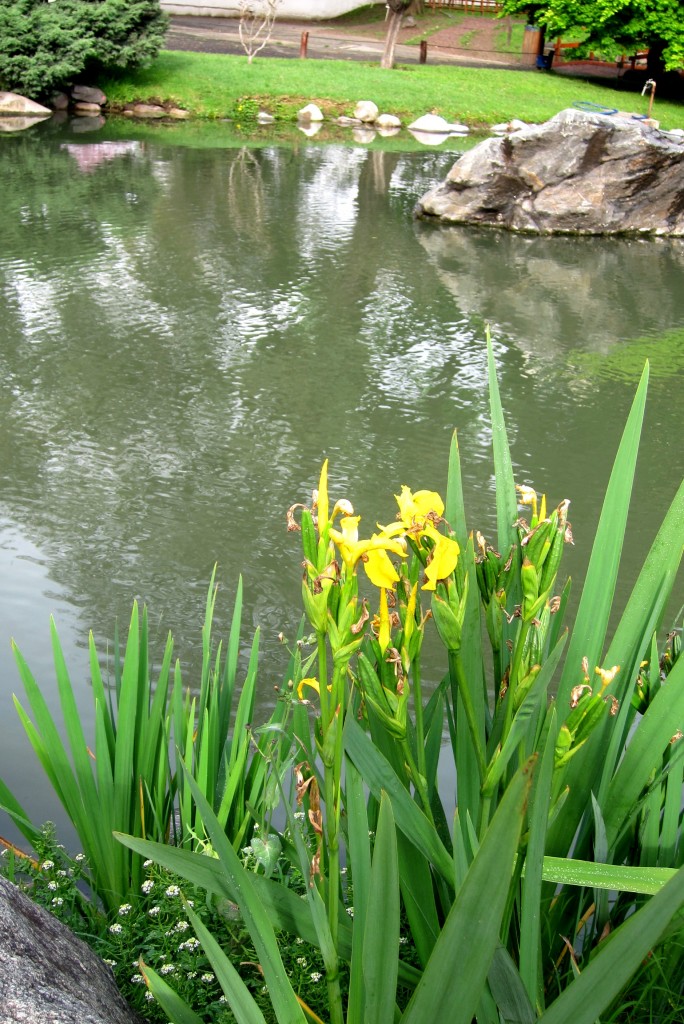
x: 12, y: 103
x: 579, y: 173
x: 47, y: 975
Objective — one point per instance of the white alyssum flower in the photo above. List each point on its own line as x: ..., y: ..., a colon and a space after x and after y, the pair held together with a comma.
x: 315, y: 975
x: 79, y: 858
x: 137, y: 979
x: 147, y: 864
x: 172, y: 890
x: 147, y: 886
x: 61, y: 874
x: 189, y: 944
x: 57, y: 901
x: 153, y: 911
x: 182, y: 926
x: 350, y: 911
x: 301, y: 960
x: 53, y: 886
x: 148, y: 996
x: 207, y: 976
x: 167, y: 968
x: 124, y: 909
x: 47, y: 865
x: 116, y: 929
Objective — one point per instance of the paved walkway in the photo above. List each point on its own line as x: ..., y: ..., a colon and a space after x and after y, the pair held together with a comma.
x: 221, y: 35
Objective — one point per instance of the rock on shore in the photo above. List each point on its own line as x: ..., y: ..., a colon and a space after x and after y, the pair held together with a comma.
x: 47, y: 975
x: 579, y: 173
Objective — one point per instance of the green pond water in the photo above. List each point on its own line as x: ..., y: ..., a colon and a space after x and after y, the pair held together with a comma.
x: 187, y: 330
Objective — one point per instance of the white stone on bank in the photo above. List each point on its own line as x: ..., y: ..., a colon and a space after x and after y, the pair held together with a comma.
x: 366, y: 111
x: 310, y: 113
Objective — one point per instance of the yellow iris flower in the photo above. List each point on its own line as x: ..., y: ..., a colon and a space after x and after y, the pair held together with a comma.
x: 416, y: 509
x: 311, y: 682
x: 443, y: 558
x: 417, y: 513
x: 373, y: 552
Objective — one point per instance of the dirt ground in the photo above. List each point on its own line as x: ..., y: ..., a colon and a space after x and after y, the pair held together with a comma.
x: 468, y: 39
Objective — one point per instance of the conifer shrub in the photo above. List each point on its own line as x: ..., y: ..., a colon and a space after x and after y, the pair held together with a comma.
x: 49, y: 44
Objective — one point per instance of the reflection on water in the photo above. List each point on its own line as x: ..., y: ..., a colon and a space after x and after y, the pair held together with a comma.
x: 186, y: 333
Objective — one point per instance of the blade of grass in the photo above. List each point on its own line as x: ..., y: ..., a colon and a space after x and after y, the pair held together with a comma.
x: 531, y: 910
x: 360, y: 857
x: 171, y: 1003
x: 647, y: 745
x: 471, y: 931
x: 236, y: 992
x: 381, y: 939
x: 379, y: 775
x: 616, y: 877
x: 617, y: 960
x: 588, y: 635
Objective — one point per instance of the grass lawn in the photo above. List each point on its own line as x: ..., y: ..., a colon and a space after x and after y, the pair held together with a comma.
x: 211, y: 86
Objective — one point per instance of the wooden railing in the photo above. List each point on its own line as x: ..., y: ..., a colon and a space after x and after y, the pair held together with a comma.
x: 469, y: 6
x: 635, y: 60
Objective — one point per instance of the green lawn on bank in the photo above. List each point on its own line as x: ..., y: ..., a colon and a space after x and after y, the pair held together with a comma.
x: 212, y: 85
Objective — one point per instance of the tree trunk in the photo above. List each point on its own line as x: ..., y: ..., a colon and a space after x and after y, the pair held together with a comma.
x: 393, y: 25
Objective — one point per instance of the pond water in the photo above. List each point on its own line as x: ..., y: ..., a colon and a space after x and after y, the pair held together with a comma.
x: 188, y: 330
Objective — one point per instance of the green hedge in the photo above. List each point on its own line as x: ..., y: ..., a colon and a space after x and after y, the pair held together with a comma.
x: 48, y: 44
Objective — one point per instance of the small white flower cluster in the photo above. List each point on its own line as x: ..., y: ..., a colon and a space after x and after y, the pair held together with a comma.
x: 207, y: 976
x: 110, y: 963
x: 147, y: 864
x: 116, y: 929
x: 79, y: 858
x: 147, y: 886
x: 172, y: 890
x: 47, y: 865
x: 53, y: 886
x: 153, y: 911
x: 301, y: 960
x: 316, y: 975
x: 350, y: 911
x: 124, y: 909
x: 403, y: 940
x: 57, y: 901
x: 137, y: 979
x: 167, y: 968
x: 189, y: 944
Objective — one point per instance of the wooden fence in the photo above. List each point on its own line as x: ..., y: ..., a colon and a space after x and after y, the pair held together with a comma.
x: 469, y: 6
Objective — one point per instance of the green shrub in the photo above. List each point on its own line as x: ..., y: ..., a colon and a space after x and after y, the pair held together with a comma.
x: 47, y: 45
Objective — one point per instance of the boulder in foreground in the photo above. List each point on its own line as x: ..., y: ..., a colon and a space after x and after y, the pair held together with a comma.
x: 47, y: 975
x: 579, y: 173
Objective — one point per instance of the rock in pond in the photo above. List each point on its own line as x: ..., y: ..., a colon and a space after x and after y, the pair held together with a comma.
x: 366, y: 111
x: 579, y: 173
x: 310, y: 112
x: 12, y: 103
x: 47, y: 975
x: 438, y: 125
x: 88, y: 94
